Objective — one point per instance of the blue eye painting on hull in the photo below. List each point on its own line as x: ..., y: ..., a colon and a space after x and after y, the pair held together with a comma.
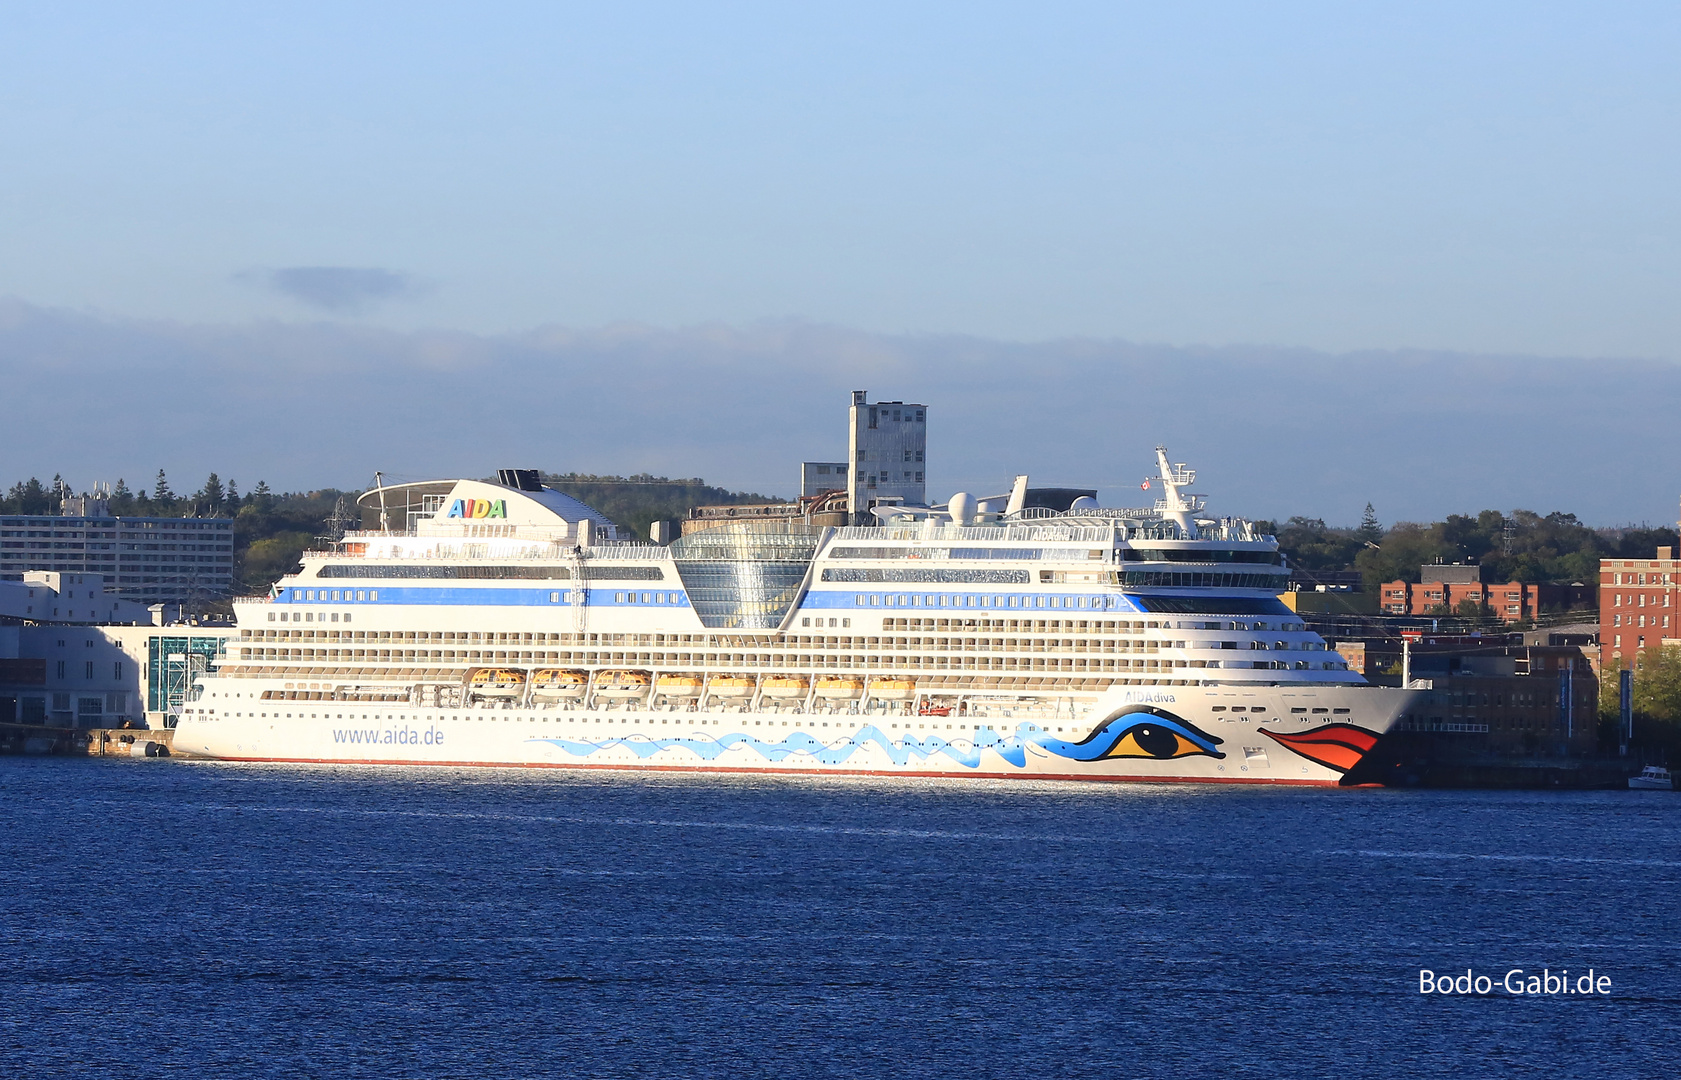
x: 1141, y: 731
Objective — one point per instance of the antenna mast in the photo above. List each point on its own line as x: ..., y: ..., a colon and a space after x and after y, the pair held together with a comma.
x: 1178, y: 506
x: 384, y: 521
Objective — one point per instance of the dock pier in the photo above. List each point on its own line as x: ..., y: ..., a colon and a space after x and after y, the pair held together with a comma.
x: 36, y: 739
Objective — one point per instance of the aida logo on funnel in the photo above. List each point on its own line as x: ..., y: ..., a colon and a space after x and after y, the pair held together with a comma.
x: 478, y: 508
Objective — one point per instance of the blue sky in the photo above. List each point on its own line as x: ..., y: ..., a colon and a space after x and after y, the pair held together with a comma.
x: 1492, y: 179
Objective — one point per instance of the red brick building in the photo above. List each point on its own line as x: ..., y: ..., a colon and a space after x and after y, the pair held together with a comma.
x: 1449, y: 586
x: 1638, y: 601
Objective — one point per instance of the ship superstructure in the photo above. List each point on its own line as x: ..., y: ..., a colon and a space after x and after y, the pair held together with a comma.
x: 507, y: 624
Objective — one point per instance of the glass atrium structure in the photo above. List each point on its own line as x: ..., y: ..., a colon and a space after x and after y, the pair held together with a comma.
x: 745, y: 575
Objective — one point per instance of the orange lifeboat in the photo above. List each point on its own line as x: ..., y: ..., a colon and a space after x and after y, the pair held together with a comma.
x: 731, y: 686
x: 893, y: 689
x: 555, y: 684
x: 498, y: 682
x: 622, y: 685
x: 785, y: 686
x: 839, y: 687
x: 678, y: 686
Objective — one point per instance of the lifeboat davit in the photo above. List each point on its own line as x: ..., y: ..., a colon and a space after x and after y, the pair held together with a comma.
x: 498, y: 682
x: 785, y: 686
x: 732, y: 686
x: 622, y: 685
x: 678, y: 686
x: 839, y: 688
x: 554, y: 684
x: 893, y: 689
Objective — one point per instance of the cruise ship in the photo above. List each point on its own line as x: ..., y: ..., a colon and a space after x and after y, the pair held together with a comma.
x: 507, y: 624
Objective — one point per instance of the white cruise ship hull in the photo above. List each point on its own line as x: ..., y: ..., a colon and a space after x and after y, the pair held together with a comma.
x: 506, y: 624
x: 1283, y: 735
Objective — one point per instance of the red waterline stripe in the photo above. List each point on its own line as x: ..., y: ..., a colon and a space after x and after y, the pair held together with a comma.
x: 796, y: 772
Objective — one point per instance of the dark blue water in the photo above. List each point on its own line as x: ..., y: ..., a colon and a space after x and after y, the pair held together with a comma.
x: 174, y: 919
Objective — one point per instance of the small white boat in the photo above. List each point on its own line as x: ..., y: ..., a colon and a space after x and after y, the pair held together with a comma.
x: 1652, y: 778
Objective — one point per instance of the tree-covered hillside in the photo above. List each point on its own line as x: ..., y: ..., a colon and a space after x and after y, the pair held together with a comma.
x: 1519, y: 546
x: 633, y: 501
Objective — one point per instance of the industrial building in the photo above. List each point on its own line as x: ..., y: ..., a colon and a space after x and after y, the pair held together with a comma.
x: 887, y: 443
x: 820, y: 477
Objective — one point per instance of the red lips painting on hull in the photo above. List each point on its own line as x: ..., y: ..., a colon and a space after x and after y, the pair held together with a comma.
x: 1338, y: 746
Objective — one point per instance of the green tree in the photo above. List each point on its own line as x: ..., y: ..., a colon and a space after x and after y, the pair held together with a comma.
x: 1657, y: 698
x: 1657, y: 685
x: 1310, y: 544
x: 160, y: 490
x: 1370, y: 531
x: 1405, y: 548
x: 122, y: 499
x: 211, y: 495
x: 1472, y: 609
x: 266, y: 560
x: 634, y: 501
x: 30, y: 497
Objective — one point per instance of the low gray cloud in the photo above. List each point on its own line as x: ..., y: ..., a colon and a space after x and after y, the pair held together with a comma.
x: 345, y: 290
x: 1274, y: 432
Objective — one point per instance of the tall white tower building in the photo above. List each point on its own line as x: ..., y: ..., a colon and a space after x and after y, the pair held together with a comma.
x: 888, y: 442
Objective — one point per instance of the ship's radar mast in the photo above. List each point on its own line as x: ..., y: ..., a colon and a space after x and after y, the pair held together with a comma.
x: 1178, y: 506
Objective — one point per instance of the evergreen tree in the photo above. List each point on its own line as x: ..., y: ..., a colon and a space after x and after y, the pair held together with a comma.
x: 160, y: 490
x: 31, y: 497
x: 60, y: 490
x: 211, y: 494
x: 261, y: 497
x: 232, y: 501
x: 1370, y: 530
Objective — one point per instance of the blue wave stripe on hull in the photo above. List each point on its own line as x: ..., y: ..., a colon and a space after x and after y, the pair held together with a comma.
x: 1012, y: 748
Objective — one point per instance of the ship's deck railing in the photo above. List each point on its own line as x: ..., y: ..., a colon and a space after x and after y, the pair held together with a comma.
x: 1072, y: 534
x: 628, y: 550
x: 1127, y: 516
x: 529, y: 551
